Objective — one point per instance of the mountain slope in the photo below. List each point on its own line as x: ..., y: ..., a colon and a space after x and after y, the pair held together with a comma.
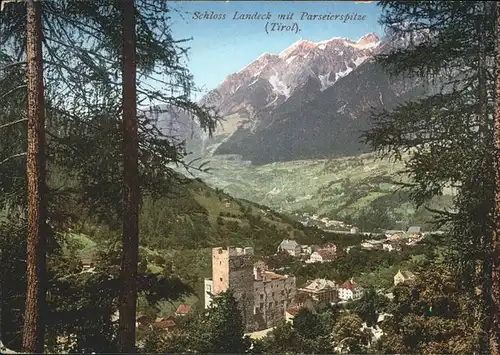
x: 310, y: 101
x: 198, y: 216
x: 327, y: 124
x: 271, y: 79
x: 340, y: 189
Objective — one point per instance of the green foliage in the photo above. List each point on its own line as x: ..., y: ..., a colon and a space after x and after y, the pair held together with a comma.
x: 12, y: 279
x: 349, y: 336
x: 339, y: 189
x: 413, y: 328
x: 451, y: 62
x: 220, y: 329
x: 358, y: 263
x: 375, y: 219
x: 195, y: 217
x: 306, y: 323
x: 309, y: 333
x: 281, y: 340
x: 369, y: 306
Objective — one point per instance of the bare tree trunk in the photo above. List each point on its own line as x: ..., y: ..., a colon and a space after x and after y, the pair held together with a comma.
x: 495, y: 243
x: 130, y: 256
x: 34, y: 326
x: 483, y: 272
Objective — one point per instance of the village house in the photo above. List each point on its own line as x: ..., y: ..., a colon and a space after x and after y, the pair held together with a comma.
x: 330, y: 247
x: 291, y: 312
x: 414, y: 241
x: 321, y: 290
x: 227, y: 203
x: 354, y: 230
x: 414, y: 232
x: 306, y: 249
x: 372, y: 244
x: 388, y: 246
x: 164, y: 324
x: 208, y: 292
x: 183, y: 310
x: 87, y: 264
x: 290, y: 246
x: 403, y: 276
x: 143, y: 321
x: 414, y: 235
x: 262, y: 295
x: 321, y: 256
x: 350, y: 291
x: 392, y: 245
x: 302, y: 300
x: 394, y: 234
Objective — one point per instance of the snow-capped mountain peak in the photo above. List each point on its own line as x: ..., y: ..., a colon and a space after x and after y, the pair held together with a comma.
x: 271, y: 79
x: 369, y: 38
x: 301, y: 44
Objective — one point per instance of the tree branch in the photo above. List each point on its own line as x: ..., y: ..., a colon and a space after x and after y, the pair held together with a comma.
x: 12, y: 65
x: 12, y: 157
x: 13, y: 90
x: 13, y: 123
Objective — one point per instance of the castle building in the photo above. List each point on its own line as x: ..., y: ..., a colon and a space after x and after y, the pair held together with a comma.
x: 262, y: 295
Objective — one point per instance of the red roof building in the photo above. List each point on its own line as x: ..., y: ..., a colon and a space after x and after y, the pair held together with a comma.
x: 182, y: 310
x: 293, y: 310
x: 350, y: 291
x: 164, y: 323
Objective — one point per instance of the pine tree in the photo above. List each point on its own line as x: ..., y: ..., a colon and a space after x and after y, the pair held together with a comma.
x: 34, y: 320
x: 83, y: 128
x: 448, y: 48
x: 495, y: 329
x: 130, y: 253
x: 220, y: 329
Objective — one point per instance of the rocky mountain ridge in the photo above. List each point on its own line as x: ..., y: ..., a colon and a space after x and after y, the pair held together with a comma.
x: 271, y: 79
x: 310, y: 101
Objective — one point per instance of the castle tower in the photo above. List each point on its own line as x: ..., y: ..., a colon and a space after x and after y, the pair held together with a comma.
x: 232, y: 269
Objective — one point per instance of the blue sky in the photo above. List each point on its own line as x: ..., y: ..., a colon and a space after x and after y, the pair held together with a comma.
x: 222, y: 47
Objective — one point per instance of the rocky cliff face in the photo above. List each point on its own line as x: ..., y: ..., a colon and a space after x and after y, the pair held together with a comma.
x: 325, y: 124
x: 272, y: 79
x: 312, y: 100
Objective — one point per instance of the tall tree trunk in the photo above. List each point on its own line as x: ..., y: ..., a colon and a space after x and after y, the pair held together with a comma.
x: 484, y: 269
x: 130, y: 256
x: 34, y: 325
x: 495, y: 243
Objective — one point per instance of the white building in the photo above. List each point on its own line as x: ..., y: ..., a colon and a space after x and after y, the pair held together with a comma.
x: 306, y: 249
x: 350, y: 291
x: 208, y: 291
x: 387, y: 246
x: 394, y: 234
x: 321, y: 256
x: 372, y: 244
x: 392, y: 246
x: 403, y: 276
x: 290, y: 246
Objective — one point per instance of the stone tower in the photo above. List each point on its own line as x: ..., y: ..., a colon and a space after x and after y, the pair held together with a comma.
x: 232, y: 269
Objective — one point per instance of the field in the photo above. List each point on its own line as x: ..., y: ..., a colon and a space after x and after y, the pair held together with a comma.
x: 333, y: 188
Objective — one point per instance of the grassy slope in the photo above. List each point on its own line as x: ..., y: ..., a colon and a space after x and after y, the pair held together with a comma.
x: 199, y: 216
x: 206, y: 210
x: 334, y: 188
